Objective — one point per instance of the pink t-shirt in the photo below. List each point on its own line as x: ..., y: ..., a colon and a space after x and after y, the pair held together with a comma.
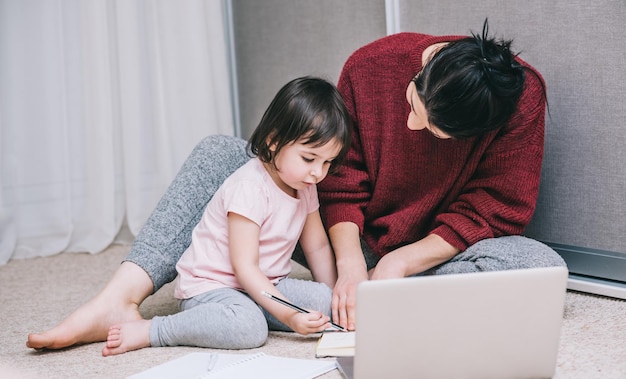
x: 252, y: 193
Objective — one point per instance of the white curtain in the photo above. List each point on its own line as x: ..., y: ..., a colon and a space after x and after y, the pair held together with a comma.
x: 100, y: 103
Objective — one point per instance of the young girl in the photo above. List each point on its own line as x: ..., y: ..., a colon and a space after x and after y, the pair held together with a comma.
x: 243, y: 243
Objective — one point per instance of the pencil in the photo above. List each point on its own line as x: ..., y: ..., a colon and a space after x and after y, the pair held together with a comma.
x: 297, y: 308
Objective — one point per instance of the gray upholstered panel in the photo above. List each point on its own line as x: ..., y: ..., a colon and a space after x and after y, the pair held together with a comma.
x: 278, y: 40
x: 580, y: 48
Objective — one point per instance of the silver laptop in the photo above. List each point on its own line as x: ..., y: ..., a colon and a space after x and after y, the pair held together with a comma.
x: 503, y: 324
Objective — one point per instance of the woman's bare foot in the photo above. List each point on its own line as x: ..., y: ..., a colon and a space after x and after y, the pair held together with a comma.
x: 127, y: 336
x: 117, y: 303
x: 89, y: 323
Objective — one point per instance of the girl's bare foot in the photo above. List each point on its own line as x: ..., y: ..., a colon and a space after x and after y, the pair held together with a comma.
x: 127, y: 336
x: 117, y: 303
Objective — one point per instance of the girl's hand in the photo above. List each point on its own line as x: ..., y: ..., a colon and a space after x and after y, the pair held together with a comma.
x: 307, y: 323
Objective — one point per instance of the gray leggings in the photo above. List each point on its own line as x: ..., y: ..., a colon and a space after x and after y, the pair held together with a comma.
x: 167, y: 232
x: 228, y: 319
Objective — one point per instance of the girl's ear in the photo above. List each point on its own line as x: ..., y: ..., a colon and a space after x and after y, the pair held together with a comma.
x: 270, y: 145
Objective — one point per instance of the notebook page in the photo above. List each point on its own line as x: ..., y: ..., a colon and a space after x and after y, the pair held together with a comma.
x: 262, y: 366
x: 189, y: 366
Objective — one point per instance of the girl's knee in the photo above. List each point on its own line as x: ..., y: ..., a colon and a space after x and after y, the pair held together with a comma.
x: 256, y: 338
x: 248, y: 336
x: 249, y: 327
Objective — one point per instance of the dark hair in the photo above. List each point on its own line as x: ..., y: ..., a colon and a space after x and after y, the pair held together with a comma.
x: 471, y: 86
x: 309, y: 110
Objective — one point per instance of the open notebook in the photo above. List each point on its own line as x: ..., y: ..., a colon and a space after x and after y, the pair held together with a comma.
x: 258, y: 366
x: 335, y: 344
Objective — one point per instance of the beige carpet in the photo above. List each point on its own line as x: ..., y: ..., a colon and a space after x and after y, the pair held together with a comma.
x: 36, y: 294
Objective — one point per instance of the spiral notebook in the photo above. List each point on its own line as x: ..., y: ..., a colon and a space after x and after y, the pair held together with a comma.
x: 258, y: 366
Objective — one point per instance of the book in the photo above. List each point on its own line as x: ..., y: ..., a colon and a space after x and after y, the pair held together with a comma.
x: 259, y: 366
x: 335, y: 344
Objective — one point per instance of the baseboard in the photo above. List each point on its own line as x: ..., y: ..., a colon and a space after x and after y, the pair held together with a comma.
x: 594, y: 271
x: 597, y: 286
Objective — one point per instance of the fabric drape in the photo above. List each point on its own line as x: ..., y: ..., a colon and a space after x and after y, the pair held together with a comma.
x: 100, y: 103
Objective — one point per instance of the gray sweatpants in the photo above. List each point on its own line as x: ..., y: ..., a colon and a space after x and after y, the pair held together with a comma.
x: 228, y: 319
x: 167, y: 232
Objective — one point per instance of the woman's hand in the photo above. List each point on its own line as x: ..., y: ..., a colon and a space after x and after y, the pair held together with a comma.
x: 351, y: 270
x: 344, y: 298
x: 390, y: 266
x: 414, y: 258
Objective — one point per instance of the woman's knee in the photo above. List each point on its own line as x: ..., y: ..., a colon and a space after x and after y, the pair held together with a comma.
x: 226, y: 149
x: 517, y: 252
